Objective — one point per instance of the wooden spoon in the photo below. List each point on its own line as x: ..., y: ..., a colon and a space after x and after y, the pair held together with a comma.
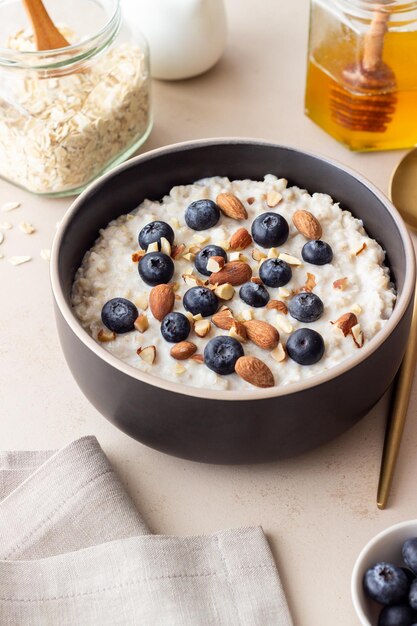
x: 47, y: 36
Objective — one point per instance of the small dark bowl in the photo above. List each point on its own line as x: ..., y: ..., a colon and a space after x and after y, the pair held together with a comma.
x: 230, y: 426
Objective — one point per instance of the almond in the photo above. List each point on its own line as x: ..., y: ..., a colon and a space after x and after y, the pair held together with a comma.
x: 361, y: 249
x: 231, y: 206
x: 346, y: 322
x: 278, y: 353
x: 202, y: 328
x: 273, y: 198
x: 235, y: 273
x: 147, y: 354
x: 183, y: 350
x: 257, y: 255
x: 165, y: 246
x: 106, y: 335
x: 223, y: 319
x: 254, y: 371
x: 142, y: 323
x: 357, y: 335
x: 278, y: 306
x: 161, y: 301
x: 307, y: 224
x: 262, y: 334
x: 256, y: 280
x: 238, y: 331
x: 250, y: 200
x: 177, y: 251
x: 215, y: 264
x: 310, y: 283
x: 136, y: 256
x: 241, y: 239
x: 340, y: 283
x: 225, y: 291
x: 192, y: 280
x: 198, y: 358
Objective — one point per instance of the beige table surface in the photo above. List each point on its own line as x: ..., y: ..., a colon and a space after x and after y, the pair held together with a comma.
x: 319, y: 509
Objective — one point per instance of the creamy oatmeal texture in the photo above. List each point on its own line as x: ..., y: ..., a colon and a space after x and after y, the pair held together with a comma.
x: 355, y: 281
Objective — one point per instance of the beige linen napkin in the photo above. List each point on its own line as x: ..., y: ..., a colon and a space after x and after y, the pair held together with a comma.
x: 75, y: 551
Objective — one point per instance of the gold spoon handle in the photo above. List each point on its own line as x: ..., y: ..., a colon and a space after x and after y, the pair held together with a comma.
x: 399, y: 412
x: 47, y: 36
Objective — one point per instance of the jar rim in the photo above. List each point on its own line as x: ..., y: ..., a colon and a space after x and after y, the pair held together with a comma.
x: 69, y: 55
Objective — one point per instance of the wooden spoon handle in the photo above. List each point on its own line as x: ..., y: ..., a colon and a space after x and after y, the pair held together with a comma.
x: 47, y: 36
x: 374, y: 41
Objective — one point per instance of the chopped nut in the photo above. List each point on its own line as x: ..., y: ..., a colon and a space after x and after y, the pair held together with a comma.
x: 183, y: 350
x: 177, y: 251
x: 136, y: 256
x: 340, y: 283
x: 201, y: 238
x: 241, y: 239
x: 190, y: 317
x: 291, y: 260
x: 10, y: 206
x: 247, y: 315
x: 355, y: 308
x: 141, y: 300
x: 361, y: 249
x: 197, y: 317
x: 142, y: 323
x: 45, y: 254
x: 223, y: 319
x: 278, y: 353
x: 147, y: 354
x: 272, y: 253
x: 6, y: 225
x: 357, y: 335
x: 189, y: 256
x: 250, y: 200
x: 224, y: 244
x: 283, y: 324
x: 256, y: 280
x: 198, y: 358
x: 215, y: 263
x: 310, y: 283
x: 105, y: 335
x: 202, y: 328
x: 153, y: 247
x: 346, y: 322
x: 175, y: 286
x: 194, y: 249
x: 19, y: 260
x: 165, y: 246
x: 238, y: 331
x: 174, y: 222
x: 257, y: 255
x: 283, y: 292
x: 27, y: 228
x: 278, y: 305
x: 225, y: 291
x: 273, y: 198
x: 179, y: 369
x: 191, y: 280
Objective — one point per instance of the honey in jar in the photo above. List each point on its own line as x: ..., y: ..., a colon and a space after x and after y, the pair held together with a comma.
x: 362, y: 72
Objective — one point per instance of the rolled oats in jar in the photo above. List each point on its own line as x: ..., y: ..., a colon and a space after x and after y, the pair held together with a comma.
x: 68, y: 115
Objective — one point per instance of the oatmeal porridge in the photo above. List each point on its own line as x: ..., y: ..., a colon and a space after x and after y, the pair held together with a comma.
x: 234, y: 284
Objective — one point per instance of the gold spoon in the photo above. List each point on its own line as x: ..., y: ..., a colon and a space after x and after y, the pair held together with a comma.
x: 403, y: 193
x: 47, y: 35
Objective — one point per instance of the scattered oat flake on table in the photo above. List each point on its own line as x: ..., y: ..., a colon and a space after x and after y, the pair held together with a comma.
x: 27, y: 228
x: 1, y: 237
x: 45, y: 254
x: 6, y: 225
x: 18, y: 260
x: 10, y: 206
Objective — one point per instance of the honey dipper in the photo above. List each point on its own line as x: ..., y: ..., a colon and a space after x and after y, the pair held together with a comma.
x: 356, y: 107
x: 47, y: 35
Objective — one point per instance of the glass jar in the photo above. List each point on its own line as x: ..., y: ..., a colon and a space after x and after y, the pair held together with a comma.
x: 362, y: 72
x: 68, y: 115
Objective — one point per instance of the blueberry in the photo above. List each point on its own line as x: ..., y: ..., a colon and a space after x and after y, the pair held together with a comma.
x: 317, y: 252
x: 175, y: 327
x: 202, y: 214
x: 204, y: 255
x: 306, y: 307
x: 305, y: 346
x: 221, y: 354
x: 270, y: 229
x: 410, y: 575
x: 119, y: 315
x: 254, y: 294
x: 156, y: 268
x: 397, y: 615
x: 200, y: 300
x: 385, y: 583
x: 412, y: 596
x: 154, y: 231
x: 409, y: 551
x: 275, y: 273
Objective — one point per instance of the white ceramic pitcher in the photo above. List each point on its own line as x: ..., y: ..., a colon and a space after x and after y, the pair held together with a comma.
x: 186, y: 37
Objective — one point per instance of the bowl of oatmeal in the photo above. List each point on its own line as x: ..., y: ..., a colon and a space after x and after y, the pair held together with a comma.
x: 233, y: 300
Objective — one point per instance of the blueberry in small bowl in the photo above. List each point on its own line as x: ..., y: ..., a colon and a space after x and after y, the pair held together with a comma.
x: 275, y: 273
x: 270, y: 230
x: 175, y: 327
x: 200, y: 300
x: 253, y: 294
x: 317, y: 252
x: 221, y: 354
x: 305, y: 346
x: 306, y: 307
x: 119, y: 315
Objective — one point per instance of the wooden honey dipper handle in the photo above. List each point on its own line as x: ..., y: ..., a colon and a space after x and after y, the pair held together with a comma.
x: 374, y: 41
x: 47, y: 36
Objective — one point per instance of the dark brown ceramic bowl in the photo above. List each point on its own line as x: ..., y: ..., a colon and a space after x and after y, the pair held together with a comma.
x: 230, y: 426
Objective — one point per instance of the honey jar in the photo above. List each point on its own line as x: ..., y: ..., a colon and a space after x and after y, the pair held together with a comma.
x: 362, y: 72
